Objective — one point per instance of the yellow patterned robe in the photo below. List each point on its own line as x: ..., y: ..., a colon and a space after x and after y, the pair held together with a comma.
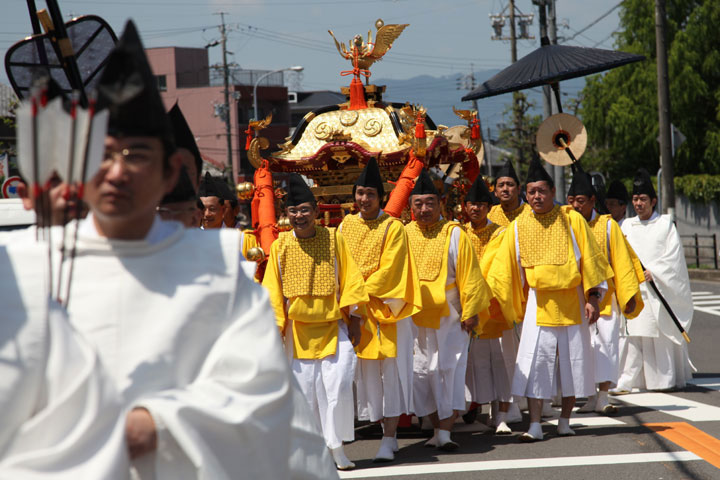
x: 547, y: 258
x: 627, y: 271
x: 485, y: 242
x: 380, y: 249
x: 503, y: 218
x: 430, y: 247
x: 318, y: 285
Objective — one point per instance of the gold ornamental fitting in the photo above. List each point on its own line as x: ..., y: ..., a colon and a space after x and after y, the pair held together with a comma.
x: 245, y: 190
x: 283, y: 224
x: 256, y: 254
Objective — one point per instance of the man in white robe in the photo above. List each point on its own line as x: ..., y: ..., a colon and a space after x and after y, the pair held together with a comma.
x: 183, y: 330
x: 655, y: 354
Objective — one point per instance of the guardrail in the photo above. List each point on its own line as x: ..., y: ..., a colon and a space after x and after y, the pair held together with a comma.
x: 696, y: 246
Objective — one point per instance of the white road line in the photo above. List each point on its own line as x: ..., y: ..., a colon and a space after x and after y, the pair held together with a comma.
x: 582, y: 421
x: 702, y: 293
x: 711, y: 311
x: 712, y: 383
x: 675, y: 406
x: 521, y: 463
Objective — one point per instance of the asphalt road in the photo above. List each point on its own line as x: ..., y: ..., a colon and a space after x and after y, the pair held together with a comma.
x: 664, y: 436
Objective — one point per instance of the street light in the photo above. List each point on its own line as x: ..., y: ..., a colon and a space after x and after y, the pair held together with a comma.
x: 296, y: 68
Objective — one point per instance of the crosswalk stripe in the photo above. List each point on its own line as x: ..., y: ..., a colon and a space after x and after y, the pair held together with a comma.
x: 712, y: 383
x: 590, y: 421
x: 520, y: 463
x: 675, y: 406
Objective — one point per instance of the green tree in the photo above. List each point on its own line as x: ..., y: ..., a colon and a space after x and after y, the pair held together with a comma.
x: 619, y: 108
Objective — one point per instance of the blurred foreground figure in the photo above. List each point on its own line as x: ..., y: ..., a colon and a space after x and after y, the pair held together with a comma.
x: 185, y: 333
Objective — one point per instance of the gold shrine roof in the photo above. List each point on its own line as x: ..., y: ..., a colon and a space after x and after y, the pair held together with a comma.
x: 370, y: 128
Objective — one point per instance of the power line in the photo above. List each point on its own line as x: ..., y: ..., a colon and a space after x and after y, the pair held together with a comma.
x: 591, y: 24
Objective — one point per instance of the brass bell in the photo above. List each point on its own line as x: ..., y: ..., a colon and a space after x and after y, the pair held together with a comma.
x: 256, y: 254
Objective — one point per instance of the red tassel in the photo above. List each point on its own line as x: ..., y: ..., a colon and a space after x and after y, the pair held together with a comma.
x: 248, y: 138
x: 357, y: 95
x: 419, y: 127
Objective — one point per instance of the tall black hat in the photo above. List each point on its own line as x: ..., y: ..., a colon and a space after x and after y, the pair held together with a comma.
x: 224, y: 189
x: 507, y: 170
x: 479, y: 192
x: 209, y: 187
x: 298, y: 191
x: 424, y: 185
x: 642, y: 184
x: 184, y: 137
x: 537, y: 173
x: 581, y: 185
x: 127, y: 88
x: 617, y: 190
x: 183, y: 191
x: 370, y: 177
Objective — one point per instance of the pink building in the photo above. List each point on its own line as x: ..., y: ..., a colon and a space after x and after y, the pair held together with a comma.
x: 184, y: 75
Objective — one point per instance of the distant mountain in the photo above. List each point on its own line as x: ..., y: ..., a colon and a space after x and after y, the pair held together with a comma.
x: 440, y: 94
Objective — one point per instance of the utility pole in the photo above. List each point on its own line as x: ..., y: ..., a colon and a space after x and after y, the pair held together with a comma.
x: 226, y: 97
x: 667, y: 187
x: 516, y: 107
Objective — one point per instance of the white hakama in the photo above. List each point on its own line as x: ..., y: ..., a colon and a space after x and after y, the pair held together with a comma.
x: 654, y: 364
x: 385, y: 387
x: 552, y: 357
x: 440, y: 364
x: 327, y: 385
x: 486, y: 376
x: 605, y: 338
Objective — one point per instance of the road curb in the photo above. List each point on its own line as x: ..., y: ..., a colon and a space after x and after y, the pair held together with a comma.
x: 704, y: 275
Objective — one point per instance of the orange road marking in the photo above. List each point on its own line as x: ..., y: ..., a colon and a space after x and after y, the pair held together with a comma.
x: 690, y: 438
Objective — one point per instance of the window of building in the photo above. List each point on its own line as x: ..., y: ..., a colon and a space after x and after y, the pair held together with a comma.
x: 161, y: 82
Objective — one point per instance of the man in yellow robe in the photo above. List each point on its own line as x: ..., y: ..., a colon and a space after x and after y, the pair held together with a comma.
x: 487, y: 379
x: 507, y: 191
x: 552, y: 250
x: 453, y: 293
x: 379, y: 246
x: 623, y: 294
x: 314, y: 284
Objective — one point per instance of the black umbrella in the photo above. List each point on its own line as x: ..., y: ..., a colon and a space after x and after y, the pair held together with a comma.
x: 550, y: 64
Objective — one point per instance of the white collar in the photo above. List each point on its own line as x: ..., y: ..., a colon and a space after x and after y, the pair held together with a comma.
x: 159, y: 231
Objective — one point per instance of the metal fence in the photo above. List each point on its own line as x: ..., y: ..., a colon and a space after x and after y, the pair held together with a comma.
x: 701, y: 248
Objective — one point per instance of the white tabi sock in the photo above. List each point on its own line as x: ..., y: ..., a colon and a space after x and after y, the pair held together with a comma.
x: 535, y: 431
x: 341, y: 460
x: 385, y: 452
x: 502, y: 427
x: 433, y: 442
x: 602, y: 400
x: 589, y: 405
x: 396, y: 447
x: 514, y: 415
x: 564, y: 427
x: 444, y: 441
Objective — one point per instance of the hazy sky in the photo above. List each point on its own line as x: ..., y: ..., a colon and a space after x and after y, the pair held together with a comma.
x: 444, y: 37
